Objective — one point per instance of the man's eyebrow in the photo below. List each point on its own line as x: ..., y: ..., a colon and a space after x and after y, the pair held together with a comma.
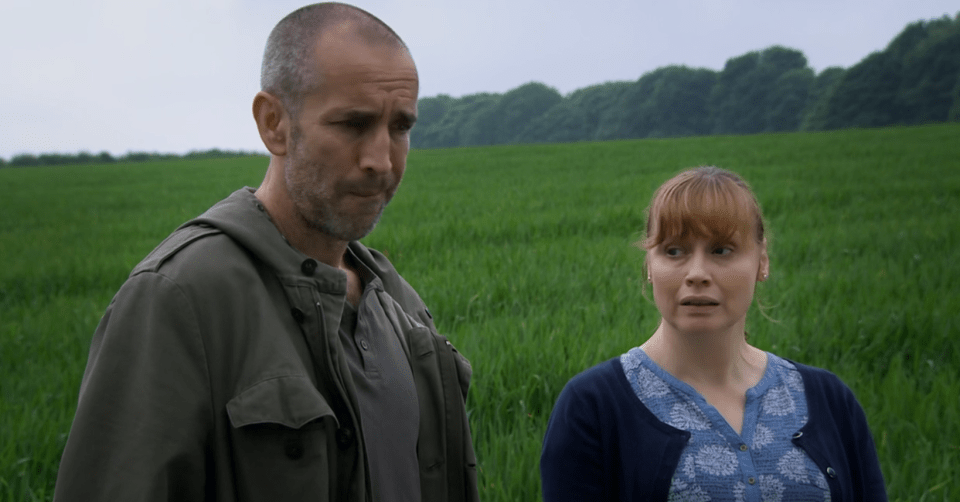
x: 353, y: 114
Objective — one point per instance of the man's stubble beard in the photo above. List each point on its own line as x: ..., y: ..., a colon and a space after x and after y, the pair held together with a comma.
x: 315, y: 201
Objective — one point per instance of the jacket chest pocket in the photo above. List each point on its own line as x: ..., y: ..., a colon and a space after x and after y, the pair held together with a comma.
x: 287, y: 444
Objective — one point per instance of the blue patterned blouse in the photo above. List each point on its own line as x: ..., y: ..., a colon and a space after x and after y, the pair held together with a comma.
x: 720, y: 465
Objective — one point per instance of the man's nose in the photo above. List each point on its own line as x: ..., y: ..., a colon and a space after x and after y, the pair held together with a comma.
x: 375, y: 151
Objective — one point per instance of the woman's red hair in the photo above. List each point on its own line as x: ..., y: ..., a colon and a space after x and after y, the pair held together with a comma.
x: 706, y: 202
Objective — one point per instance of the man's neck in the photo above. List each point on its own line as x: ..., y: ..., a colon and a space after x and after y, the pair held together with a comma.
x: 299, y: 234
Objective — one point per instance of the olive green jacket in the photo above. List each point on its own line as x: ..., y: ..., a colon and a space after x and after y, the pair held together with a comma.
x: 217, y: 374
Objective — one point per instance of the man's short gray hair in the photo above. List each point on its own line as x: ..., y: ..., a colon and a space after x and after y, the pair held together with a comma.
x: 286, y: 71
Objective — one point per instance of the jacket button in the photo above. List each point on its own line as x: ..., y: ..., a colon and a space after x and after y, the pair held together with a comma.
x: 830, y: 472
x: 293, y: 448
x: 309, y: 266
x: 796, y: 435
x: 743, y: 447
x: 364, y: 345
x: 344, y: 437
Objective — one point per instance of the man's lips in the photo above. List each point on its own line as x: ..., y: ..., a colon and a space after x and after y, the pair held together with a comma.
x: 369, y: 189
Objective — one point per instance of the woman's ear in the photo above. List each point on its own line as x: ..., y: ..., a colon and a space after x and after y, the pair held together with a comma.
x: 273, y: 122
x: 763, y: 271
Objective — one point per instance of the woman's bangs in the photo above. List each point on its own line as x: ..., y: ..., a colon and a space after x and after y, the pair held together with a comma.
x: 701, y: 210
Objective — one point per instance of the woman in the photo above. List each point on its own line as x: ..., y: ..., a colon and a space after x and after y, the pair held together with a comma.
x: 696, y: 413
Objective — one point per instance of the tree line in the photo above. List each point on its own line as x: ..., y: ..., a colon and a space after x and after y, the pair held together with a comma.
x: 58, y: 159
x: 914, y: 80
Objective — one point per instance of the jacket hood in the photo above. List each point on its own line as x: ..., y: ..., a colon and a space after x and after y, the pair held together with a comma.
x: 243, y: 218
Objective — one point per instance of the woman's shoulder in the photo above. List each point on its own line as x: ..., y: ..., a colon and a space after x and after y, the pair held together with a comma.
x: 601, y: 389
x: 603, y: 378
x: 816, y: 375
x: 823, y: 385
x: 604, y: 393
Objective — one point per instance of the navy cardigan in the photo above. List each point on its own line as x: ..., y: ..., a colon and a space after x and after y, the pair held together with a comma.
x: 603, y: 444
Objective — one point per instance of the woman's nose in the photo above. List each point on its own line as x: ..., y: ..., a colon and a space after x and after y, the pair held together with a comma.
x: 698, y: 270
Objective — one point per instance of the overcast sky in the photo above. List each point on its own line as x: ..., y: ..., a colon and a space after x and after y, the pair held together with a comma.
x: 180, y: 75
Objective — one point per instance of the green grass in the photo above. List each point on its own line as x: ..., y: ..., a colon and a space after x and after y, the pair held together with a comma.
x: 524, y: 255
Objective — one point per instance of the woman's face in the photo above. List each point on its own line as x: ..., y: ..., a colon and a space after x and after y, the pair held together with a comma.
x: 703, y: 285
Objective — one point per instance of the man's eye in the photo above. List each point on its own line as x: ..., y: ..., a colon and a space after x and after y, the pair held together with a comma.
x: 357, y: 124
x: 673, y: 251
x: 722, y: 251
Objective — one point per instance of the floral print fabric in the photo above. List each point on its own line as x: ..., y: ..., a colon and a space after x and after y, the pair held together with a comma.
x: 761, y: 464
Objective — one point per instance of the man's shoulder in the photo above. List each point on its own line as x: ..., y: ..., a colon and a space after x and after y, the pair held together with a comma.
x: 198, y: 254
x: 176, y: 242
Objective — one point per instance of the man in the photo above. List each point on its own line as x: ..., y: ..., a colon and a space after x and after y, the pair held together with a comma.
x: 261, y: 352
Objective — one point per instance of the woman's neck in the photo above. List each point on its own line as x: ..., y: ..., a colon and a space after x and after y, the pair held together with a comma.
x: 707, y: 359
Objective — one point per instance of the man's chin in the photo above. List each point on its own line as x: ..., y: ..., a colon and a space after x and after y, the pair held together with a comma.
x: 343, y: 230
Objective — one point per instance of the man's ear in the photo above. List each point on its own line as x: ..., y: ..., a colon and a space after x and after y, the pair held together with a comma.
x: 273, y: 122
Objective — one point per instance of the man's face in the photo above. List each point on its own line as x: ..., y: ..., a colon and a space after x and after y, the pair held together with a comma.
x: 348, y: 146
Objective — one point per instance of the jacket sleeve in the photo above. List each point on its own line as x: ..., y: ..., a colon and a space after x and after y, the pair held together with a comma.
x: 571, y: 461
x: 144, y: 409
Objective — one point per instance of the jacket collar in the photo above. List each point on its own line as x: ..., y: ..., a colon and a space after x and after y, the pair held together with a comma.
x: 243, y: 218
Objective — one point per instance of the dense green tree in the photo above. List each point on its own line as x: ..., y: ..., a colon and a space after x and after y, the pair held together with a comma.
x: 912, y: 81
x: 866, y: 96
x: 624, y: 119
x: 789, y: 98
x: 730, y: 101
x: 679, y: 103
x: 954, y: 115
x: 24, y: 160
x: 577, y: 116
x: 519, y: 107
x: 460, y: 125
x: 816, y: 111
x: 746, y: 98
x: 930, y: 72
x: 430, y: 111
x: 669, y: 101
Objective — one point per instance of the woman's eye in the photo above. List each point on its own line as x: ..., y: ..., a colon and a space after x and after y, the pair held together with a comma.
x: 673, y: 251
x: 722, y: 251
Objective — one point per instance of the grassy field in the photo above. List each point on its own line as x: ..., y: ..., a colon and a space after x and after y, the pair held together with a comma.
x: 524, y: 255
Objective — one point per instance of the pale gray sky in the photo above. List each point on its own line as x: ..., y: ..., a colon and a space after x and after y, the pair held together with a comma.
x: 180, y: 75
